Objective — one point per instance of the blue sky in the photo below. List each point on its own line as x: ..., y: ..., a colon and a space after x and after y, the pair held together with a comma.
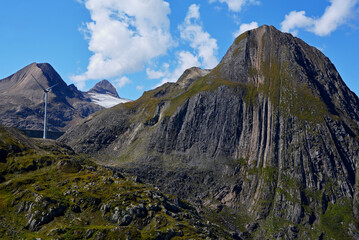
x: 140, y: 44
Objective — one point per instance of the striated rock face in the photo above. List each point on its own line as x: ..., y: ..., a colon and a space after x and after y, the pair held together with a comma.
x: 272, y: 131
x: 22, y: 104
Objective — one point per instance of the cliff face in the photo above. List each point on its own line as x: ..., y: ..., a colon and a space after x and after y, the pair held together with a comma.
x: 272, y: 131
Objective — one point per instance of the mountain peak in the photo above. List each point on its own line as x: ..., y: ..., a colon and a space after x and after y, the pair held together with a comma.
x: 22, y: 104
x: 23, y: 80
x: 192, y: 74
x: 272, y: 130
x: 104, y: 87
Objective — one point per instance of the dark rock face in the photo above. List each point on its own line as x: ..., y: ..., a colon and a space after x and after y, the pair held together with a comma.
x: 104, y: 87
x: 2, y: 179
x: 3, y: 155
x: 273, y: 129
x: 22, y: 105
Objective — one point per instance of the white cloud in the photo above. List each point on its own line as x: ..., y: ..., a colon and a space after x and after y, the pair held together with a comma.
x: 244, y: 28
x: 204, y: 48
x: 201, y: 41
x: 334, y: 16
x: 124, y: 35
x: 81, y: 85
x: 121, y: 82
x: 153, y: 74
x: 139, y: 88
x: 185, y: 60
x: 295, y: 20
x: 235, y: 5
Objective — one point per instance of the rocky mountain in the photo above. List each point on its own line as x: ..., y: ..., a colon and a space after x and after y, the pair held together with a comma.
x: 48, y: 192
x: 104, y: 87
x: 21, y: 103
x: 105, y: 94
x: 269, y: 139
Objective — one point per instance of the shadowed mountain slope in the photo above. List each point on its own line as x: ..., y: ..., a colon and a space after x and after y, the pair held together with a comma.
x: 272, y: 133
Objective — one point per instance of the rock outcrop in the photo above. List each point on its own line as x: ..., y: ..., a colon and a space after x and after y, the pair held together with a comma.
x: 272, y: 133
x: 104, y: 87
x: 105, y: 95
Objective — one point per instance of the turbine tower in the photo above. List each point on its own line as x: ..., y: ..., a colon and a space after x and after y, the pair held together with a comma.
x: 46, y: 91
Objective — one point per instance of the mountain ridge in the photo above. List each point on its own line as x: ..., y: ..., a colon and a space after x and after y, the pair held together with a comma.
x: 272, y: 130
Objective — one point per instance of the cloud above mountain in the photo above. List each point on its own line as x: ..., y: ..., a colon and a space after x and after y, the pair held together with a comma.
x: 235, y: 5
x: 204, y: 48
x: 201, y: 41
x: 244, y: 28
x: 123, y: 35
x: 334, y: 16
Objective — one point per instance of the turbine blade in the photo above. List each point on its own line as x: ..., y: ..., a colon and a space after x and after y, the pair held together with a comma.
x: 38, y: 83
x: 48, y: 89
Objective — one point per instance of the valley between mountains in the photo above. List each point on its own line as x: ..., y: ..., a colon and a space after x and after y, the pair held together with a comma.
x: 263, y: 146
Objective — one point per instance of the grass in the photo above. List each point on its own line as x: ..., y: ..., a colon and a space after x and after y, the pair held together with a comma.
x: 336, y: 219
x: 240, y: 38
x: 285, y: 93
x: 205, y: 84
x: 282, y: 90
x: 84, y: 188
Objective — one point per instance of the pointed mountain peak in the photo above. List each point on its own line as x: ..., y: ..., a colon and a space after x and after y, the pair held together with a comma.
x: 104, y: 87
x: 45, y: 67
x: 23, y: 80
x: 266, y: 56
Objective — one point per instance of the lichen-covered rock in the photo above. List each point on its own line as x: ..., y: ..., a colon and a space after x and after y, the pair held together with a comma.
x: 68, y: 166
x: 40, y: 217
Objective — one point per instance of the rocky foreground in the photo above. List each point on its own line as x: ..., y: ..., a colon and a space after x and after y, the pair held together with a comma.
x: 48, y: 192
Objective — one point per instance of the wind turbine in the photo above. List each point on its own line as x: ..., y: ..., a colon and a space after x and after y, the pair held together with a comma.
x: 46, y: 91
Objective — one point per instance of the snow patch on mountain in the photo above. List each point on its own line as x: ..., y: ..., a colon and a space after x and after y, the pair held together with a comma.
x: 106, y: 100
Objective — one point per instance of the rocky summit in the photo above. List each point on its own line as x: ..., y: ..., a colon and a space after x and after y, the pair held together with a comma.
x: 266, y: 143
x: 104, y: 87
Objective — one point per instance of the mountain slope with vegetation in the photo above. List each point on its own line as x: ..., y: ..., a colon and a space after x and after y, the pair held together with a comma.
x: 47, y: 192
x: 271, y: 134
